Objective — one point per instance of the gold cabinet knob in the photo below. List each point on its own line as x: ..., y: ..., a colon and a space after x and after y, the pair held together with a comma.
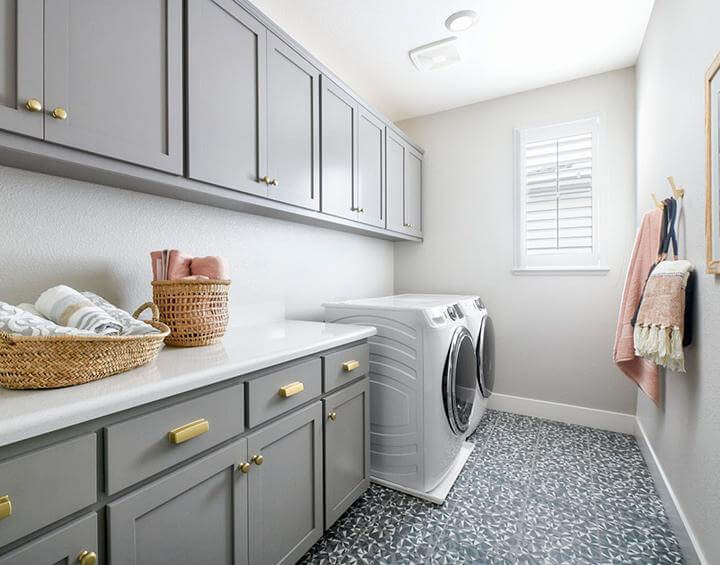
x: 350, y: 365
x: 33, y: 105
x: 59, y: 114
x: 244, y: 467
x: 265, y: 179
x: 257, y: 459
x: 87, y: 558
x: 5, y: 507
x: 273, y: 182
x: 332, y: 416
x: 408, y: 225
x: 361, y: 210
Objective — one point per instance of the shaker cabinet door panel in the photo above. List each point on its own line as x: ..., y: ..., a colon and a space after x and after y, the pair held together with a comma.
x: 371, y: 169
x: 195, y: 515
x: 113, y: 79
x: 293, y: 124
x: 285, y: 504
x: 338, y: 125
x: 226, y: 50
x: 413, y: 191
x: 395, y: 152
x: 347, y: 448
x: 21, y: 66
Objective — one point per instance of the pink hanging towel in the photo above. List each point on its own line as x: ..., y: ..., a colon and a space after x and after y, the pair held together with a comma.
x: 643, y: 372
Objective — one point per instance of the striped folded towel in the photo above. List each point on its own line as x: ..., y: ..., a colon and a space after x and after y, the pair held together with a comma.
x: 658, y: 333
x: 15, y: 320
x: 130, y: 325
x: 67, y: 307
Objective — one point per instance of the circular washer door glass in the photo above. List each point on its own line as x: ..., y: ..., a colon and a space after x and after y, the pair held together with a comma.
x: 486, y: 357
x: 460, y: 380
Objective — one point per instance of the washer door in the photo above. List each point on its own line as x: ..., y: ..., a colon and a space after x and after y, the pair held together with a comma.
x: 486, y: 356
x: 459, y: 380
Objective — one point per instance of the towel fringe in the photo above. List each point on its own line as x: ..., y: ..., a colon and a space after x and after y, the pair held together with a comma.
x: 661, y: 345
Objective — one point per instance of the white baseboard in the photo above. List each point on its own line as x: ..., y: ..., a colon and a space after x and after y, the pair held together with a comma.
x: 568, y: 413
x: 686, y: 537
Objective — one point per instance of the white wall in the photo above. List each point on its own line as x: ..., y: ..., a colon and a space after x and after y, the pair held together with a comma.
x: 95, y: 237
x: 681, y: 42
x: 554, y: 333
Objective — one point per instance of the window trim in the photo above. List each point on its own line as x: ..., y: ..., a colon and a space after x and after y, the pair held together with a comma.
x: 593, y: 265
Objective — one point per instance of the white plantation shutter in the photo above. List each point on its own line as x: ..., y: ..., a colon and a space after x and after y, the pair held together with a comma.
x: 557, y: 219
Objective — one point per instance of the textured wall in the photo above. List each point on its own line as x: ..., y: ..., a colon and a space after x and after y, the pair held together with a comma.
x: 554, y: 333
x: 681, y: 42
x: 56, y: 230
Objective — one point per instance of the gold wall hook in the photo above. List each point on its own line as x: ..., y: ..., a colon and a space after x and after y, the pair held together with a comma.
x: 678, y: 192
x: 659, y: 204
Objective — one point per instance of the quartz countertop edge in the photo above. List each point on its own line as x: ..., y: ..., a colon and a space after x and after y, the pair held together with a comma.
x: 30, y: 413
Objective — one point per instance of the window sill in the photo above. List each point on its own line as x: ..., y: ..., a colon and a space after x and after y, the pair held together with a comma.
x: 552, y: 271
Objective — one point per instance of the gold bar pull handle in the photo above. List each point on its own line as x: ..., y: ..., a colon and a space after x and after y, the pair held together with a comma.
x: 5, y: 507
x: 291, y: 389
x: 350, y: 365
x: 188, y: 431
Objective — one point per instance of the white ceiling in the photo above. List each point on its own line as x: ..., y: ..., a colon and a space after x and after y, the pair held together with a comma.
x: 516, y: 45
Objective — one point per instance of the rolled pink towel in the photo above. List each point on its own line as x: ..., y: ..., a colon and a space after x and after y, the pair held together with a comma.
x: 211, y: 267
x: 178, y: 265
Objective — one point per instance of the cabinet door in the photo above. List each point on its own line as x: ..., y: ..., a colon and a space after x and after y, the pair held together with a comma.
x: 226, y: 49
x: 21, y: 66
x: 293, y: 104
x: 195, y: 515
x: 113, y: 71
x: 285, y: 504
x: 395, y: 153
x: 413, y: 191
x: 338, y: 126
x: 371, y: 169
x: 63, y: 545
x: 347, y: 448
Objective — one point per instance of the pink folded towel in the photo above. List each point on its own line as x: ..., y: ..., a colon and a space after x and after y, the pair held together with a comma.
x: 211, y: 267
x: 178, y: 265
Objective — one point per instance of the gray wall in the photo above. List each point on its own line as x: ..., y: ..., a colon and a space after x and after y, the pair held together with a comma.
x: 554, y: 333
x: 681, y: 42
x: 56, y: 230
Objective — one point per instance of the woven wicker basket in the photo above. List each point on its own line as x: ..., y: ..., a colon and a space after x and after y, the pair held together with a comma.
x: 58, y: 361
x: 195, y: 310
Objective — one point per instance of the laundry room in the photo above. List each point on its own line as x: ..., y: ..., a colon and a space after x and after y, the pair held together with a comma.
x: 335, y: 282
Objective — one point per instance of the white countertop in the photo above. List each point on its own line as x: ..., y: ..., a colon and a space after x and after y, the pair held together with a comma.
x: 29, y: 413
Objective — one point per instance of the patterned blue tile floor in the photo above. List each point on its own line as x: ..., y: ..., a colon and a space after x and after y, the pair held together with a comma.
x: 533, y: 491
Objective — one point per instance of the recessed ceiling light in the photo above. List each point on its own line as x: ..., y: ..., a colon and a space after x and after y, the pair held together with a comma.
x: 461, y: 21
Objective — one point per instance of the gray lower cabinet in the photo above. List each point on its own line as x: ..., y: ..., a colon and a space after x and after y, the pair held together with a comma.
x: 404, y: 185
x: 226, y: 51
x: 65, y: 545
x: 286, y: 487
x: 371, y: 169
x: 195, y: 515
x: 113, y: 79
x: 21, y: 66
x: 347, y: 448
x: 338, y: 132
x: 293, y: 126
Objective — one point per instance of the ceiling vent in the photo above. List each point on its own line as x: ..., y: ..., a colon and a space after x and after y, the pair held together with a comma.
x: 436, y: 55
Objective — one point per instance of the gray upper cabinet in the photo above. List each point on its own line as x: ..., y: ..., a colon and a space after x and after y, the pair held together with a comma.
x: 339, y: 174
x: 293, y: 126
x: 21, y: 66
x: 195, y: 515
x: 404, y: 185
x: 371, y: 169
x: 285, y: 482
x: 226, y: 50
x: 347, y: 448
x: 113, y: 79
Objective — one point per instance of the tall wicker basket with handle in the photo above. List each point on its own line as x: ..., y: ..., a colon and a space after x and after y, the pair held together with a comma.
x: 196, y: 311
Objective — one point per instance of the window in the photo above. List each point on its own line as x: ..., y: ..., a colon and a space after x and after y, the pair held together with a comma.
x: 557, y: 194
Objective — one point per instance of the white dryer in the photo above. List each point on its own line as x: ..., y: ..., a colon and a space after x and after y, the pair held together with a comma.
x: 423, y: 375
x: 480, y: 325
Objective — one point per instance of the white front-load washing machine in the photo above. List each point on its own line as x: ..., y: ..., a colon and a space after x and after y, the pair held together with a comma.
x: 480, y: 324
x: 423, y: 374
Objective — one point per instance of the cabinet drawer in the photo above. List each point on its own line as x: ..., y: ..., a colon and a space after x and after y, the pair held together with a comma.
x: 272, y: 394
x: 46, y: 485
x: 63, y: 545
x: 345, y: 366
x: 139, y: 448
